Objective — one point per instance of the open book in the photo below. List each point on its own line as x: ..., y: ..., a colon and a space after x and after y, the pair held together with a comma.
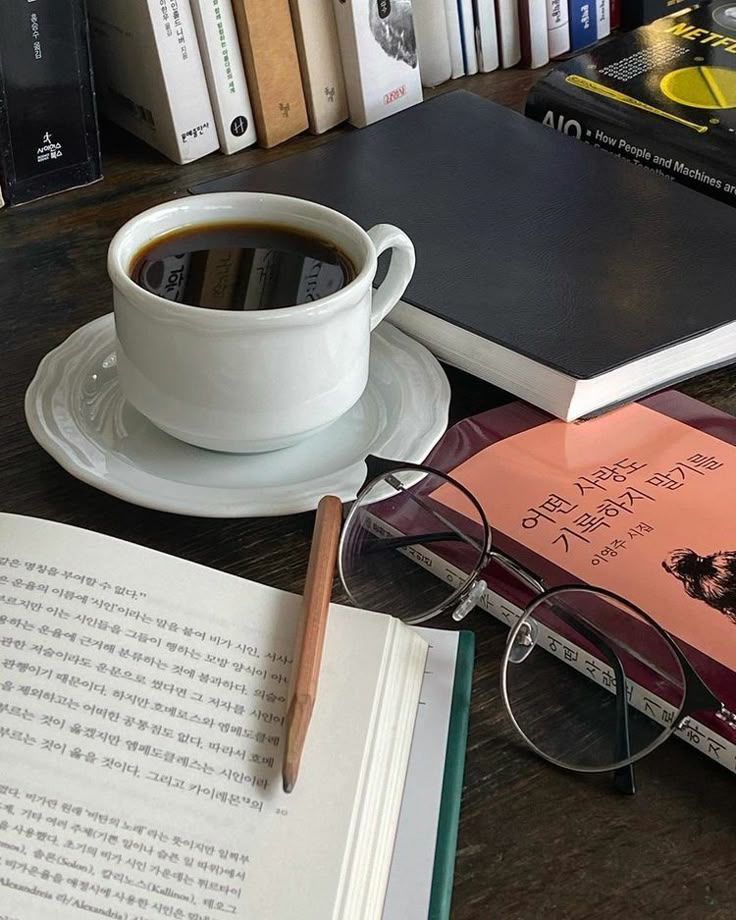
x: 141, y: 716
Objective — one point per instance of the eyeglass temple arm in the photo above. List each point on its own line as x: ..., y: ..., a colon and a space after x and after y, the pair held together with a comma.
x: 698, y: 695
x: 624, y: 777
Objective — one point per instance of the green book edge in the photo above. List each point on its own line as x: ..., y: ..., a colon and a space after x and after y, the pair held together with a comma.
x: 452, y: 783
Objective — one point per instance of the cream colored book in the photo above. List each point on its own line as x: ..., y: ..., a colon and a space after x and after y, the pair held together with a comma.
x: 320, y: 63
x: 141, y: 717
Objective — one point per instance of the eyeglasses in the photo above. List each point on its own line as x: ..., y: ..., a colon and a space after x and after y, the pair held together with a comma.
x: 591, y: 682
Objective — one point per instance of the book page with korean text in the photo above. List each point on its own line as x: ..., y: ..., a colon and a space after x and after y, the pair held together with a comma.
x: 142, y: 701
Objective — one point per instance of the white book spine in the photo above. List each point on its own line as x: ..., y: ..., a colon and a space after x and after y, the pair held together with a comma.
x: 509, y: 34
x: 558, y: 27
x: 454, y: 37
x: 487, y: 35
x: 433, y: 45
x: 149, y: 74
x: 195, y: 132
x: 538, y: 44
x: 379, y: 57
x: 467, y: 28
x: 223, y: 66
x: 603, y: 22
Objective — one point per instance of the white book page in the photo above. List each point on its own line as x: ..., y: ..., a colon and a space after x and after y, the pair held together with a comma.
x: 141, y: 708
x: 412, y: 867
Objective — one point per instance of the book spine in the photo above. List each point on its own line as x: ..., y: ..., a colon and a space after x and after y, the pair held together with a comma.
x: 223, y: 66
x: 603, y: 18
x: 433, y: 45
x: 615, y: 14
x: 48, y: 126
x: 272, y: 69
x: 548, y: 106
x: 150, y: 75
x: 497, y: 600
x: 533, y: 27
x: 467, y: 32
x: 321, y: 68
x: 558, y: 27
x: 194, y: 128
x: 454, y: 37
x: 509, y: 32
x: 583, y: 28
x: 381, y: 75
x: 348, y: 39
x: 487, y: 32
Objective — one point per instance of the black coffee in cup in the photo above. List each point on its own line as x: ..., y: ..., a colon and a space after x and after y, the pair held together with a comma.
x: 232, y: 266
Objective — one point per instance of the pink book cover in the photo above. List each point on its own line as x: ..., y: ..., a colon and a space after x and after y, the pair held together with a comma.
x: 639, y: 501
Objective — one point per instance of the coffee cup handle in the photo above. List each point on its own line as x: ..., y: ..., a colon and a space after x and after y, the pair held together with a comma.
x: 403, y: 259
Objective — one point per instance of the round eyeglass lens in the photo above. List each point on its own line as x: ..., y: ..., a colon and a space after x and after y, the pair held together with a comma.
x: 412, y: 544
x: 589, y: 681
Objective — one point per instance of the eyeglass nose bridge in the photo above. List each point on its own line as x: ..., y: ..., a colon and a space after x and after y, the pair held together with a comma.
x: 470, y: 600
x: 524, y: 641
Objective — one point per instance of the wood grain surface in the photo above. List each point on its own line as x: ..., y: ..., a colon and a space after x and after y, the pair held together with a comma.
x: 534, y: 842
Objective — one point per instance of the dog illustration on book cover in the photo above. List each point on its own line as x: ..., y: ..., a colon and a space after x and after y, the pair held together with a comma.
x: 392, y: 26
x: 711, y: 579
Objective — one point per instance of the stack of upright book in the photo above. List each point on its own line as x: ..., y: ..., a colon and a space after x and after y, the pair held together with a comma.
x: 189, y: 76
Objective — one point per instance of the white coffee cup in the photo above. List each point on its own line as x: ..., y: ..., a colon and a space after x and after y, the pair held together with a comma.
x: 250, y: 381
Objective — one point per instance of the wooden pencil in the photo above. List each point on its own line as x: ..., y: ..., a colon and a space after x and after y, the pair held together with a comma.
x: 311, y: 633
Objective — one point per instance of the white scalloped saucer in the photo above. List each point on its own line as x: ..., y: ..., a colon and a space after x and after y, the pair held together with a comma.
x: 76, y: 412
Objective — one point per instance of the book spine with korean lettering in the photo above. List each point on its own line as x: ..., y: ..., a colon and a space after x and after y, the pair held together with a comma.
x: 504, y: 597
x: 48, y: 123
x: 271, y: 61
x: 379, y: 57
x: 217, y: 33
x: 603, y: 18
x: 150, y: 75
x: 661, y: 96
x: 558, y: 27
x: 321, y: 67
x: 582, y: 20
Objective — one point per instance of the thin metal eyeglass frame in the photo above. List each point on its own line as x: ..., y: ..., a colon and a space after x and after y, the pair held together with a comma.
x: 697, y: 695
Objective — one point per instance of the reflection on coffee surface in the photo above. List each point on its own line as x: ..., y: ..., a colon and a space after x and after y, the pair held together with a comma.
x: 241, y: 267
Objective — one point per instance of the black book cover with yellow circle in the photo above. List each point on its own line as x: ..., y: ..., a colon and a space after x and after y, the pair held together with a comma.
x: 662, y: 96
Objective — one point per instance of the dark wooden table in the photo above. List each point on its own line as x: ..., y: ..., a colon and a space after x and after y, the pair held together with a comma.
x: 534, y: 841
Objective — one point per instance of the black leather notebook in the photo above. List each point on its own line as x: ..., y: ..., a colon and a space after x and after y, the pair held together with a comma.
x: 555, y: 270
